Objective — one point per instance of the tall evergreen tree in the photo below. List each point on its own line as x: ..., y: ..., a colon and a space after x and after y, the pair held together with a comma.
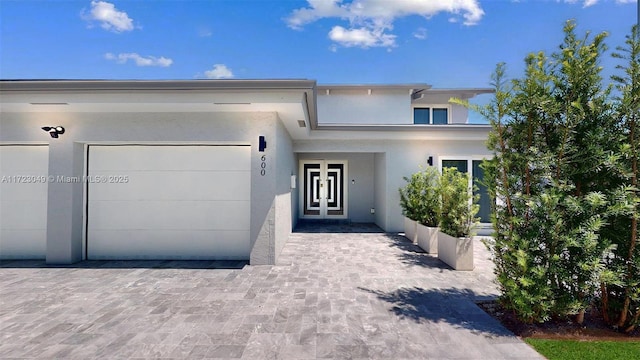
x: 585, y: 126
x: 621, y: 295
x: 554, y: 142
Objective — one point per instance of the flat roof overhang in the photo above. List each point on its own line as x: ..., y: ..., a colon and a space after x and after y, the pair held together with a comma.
x: 423, y: 96
x: 106, y: 85
x: 409, y: 89
x: 293, y: 100
x: 402, y: 132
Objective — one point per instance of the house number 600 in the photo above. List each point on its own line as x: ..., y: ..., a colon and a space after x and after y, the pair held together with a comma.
x: 263, y: 165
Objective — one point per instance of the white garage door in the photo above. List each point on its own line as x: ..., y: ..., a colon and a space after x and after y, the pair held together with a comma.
x: 168, y: 202
x: 23, y: 201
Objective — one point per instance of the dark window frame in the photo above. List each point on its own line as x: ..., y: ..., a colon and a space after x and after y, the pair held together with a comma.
x: 426, y: 115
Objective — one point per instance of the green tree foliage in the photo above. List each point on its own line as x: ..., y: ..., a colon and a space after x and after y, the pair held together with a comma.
x: 564, y: 180
x: 459, y: 205
x: 420, y: 199
x: 583, y: 127
x: 622, y: 293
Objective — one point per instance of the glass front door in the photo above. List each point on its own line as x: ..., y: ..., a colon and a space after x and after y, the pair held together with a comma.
x: 323, y: 193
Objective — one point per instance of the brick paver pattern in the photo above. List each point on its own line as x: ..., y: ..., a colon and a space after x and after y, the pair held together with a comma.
x: 358, y: 294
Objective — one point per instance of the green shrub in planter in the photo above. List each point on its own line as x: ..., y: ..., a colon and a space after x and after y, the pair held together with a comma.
x: 458, y: 204
x: 420, y: 199
x: 410, y: 196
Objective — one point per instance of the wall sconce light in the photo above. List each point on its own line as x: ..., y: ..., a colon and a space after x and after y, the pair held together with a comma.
x: 54, y: 131
x: 262, y: 143
x: 430, y: 161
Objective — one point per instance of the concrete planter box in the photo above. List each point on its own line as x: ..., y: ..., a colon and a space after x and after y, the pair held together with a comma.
x: 410, y: 230
x: 428, y: 238
x: 456, y: 252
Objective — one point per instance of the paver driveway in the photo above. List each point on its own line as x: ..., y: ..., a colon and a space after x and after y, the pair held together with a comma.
x: 332, y: 295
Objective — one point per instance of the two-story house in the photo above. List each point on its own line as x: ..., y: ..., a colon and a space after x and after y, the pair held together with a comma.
x: 213, y: 169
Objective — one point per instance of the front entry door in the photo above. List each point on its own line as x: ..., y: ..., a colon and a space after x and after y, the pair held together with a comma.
x: 323, y: 194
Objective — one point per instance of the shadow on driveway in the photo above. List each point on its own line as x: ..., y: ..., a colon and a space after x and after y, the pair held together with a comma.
x: 335, y: 227
x: 453, y: 306
x: 130, y: 264
x: 412, y: 254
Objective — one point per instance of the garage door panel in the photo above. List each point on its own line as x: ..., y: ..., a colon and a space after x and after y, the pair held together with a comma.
x: 32, y: 192
x: 172, y: 185
x: 24, y: 159
x: 166, y: 157
x: 165, y: 244
x: 185, y: 215
x: 20, y: 244
x: 172, y: 202
x: 18, y: 214
x: 23, y: 201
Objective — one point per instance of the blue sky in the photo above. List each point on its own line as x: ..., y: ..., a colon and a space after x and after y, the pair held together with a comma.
x: 446, y: 43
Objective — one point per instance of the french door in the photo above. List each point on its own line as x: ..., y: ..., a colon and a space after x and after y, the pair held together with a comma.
x: 477, y: 178
x: 323, y: 194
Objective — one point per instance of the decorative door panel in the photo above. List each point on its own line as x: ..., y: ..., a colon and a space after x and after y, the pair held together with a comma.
x: 312, y: 185
x: 323, y: 193
x: 335, y: 184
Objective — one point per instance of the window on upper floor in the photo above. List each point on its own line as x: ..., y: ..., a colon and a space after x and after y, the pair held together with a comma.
x: 431, y: 115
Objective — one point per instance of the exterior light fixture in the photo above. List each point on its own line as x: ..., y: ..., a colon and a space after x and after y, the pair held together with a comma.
x: 430, y: 161
x: 54, y: 131
x: 262, y: 143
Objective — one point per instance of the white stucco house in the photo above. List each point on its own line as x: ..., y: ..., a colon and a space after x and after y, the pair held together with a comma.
x: 212, y: 169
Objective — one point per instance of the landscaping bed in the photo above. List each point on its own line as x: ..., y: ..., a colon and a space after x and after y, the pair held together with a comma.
x: 593, y: 329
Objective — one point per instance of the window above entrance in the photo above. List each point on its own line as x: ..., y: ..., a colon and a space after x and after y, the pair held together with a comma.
x: 431, y: 115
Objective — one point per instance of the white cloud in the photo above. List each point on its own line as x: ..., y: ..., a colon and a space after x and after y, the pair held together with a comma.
x: 371, y: 20
x: 139, y: 60
x: 318, y: 9
x: 588, y: 3
x: 109, y: 17
x: 420, y: 33
x: 361, y: 37
x: 219, y: 71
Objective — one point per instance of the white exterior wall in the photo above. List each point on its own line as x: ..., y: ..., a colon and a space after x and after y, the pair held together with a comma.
x: 391, y: 107
x: 360, y: 108
x: 286, y: 199
x: 380, y: 190
x: 459, y: 114
x: 67, y: 157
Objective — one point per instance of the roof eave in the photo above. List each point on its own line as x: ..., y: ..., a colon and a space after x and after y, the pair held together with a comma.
x: 407, y: 127
x: 150, y: 85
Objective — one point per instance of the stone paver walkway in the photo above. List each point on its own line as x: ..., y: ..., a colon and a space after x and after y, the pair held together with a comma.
x: 346, y: 295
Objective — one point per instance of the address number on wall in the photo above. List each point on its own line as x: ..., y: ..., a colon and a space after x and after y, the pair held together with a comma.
x: 263, y: 165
